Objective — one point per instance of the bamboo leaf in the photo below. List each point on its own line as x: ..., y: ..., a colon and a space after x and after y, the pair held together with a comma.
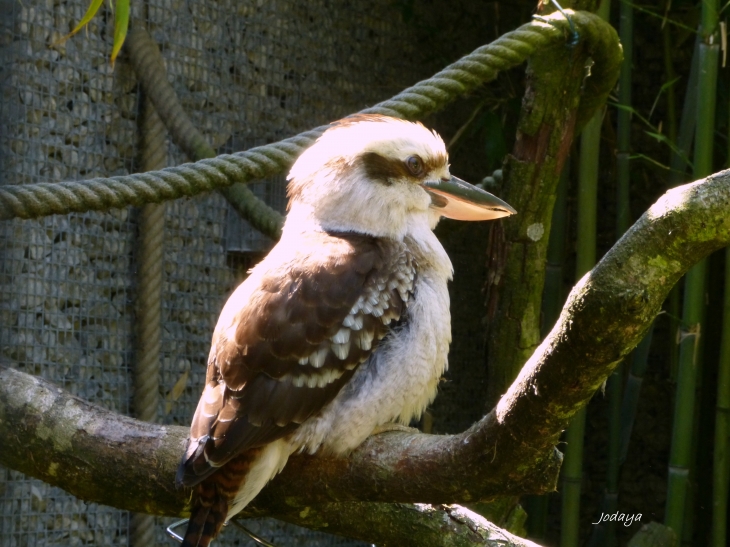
x: 661, y: 137
x: 650, y: 160
x: 665, y: 87
x: 121, y: 24
x: 660, y: 16
x: 88, y: 16
x: 634, y: 112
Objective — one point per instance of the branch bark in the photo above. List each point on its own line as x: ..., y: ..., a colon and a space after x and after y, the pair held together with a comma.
x: 395, y: 525
x: 103, y: 457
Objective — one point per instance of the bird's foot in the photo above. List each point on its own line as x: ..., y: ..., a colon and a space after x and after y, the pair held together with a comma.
x: 392, y: 426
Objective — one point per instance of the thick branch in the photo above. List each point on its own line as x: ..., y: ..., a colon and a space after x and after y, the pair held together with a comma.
x: 100, y: 456
x: 389, y: 524
x: 104, y: 457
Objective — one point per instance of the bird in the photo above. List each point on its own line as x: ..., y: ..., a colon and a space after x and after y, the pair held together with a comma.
x: 344, y: 327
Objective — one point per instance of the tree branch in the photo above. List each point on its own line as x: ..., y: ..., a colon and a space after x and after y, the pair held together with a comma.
x: 103, y: 457
x: 390, y: 524
x: 115, y: 460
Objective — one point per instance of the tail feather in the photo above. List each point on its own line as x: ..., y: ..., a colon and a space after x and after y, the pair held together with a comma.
x: 209, y: 513
x: 212, y: 498
x: 194, y: 531
x: 214, y: 522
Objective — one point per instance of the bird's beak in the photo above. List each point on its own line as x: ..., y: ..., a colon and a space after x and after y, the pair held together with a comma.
x: 457, y: 199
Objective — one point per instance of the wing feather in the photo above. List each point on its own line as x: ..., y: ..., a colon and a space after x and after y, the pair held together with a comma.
x: 290, y: 338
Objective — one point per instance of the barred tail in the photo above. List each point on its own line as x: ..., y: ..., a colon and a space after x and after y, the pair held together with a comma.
x: 209, y: 513
x: 229, y: 489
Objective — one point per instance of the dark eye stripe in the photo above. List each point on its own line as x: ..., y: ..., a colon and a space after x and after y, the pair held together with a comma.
x: 382, y: 169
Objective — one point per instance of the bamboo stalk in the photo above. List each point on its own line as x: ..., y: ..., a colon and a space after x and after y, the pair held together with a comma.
x: 670, y: 76
x: 679, y: 163
x: 552, y: 304
x: 721, y: 462
x: 623, y: 133
x: 698, y: 528
x: 604, y: 533
x: 586, y: 258
x: 639, y: 364
x: 677, y: 174
x: 694, y: 293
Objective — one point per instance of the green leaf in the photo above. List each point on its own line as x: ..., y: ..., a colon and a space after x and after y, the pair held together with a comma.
x: 664, y: 87
x: 88, y: 16
x: 121, y: 24
x: 672, y: 146
x: 650, y: 160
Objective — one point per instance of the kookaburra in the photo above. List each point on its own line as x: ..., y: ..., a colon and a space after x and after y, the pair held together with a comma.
x: 344, y: 327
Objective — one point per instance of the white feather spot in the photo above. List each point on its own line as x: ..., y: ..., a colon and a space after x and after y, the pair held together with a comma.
x: 341, y: 350
x: 317, y: 358
x: 357, y: 307
x: 357, y: 322
x: 342, y: 336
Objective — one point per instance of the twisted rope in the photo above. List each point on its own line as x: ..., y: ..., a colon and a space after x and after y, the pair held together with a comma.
x: 463, y: 76
x: 153, y: 147
x: 149, y: 66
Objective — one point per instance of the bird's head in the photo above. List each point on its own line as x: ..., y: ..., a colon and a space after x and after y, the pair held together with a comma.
x: 379, y: 175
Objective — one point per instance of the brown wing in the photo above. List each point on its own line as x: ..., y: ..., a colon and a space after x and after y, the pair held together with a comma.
x: 288, y: 349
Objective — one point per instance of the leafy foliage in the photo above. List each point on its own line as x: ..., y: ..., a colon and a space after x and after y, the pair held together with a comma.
x: 121, y: 24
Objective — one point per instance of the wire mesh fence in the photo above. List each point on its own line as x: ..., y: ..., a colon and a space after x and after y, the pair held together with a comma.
x: 247, y: 72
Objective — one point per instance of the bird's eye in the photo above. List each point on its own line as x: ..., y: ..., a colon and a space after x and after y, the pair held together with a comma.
x: 415, y: 165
